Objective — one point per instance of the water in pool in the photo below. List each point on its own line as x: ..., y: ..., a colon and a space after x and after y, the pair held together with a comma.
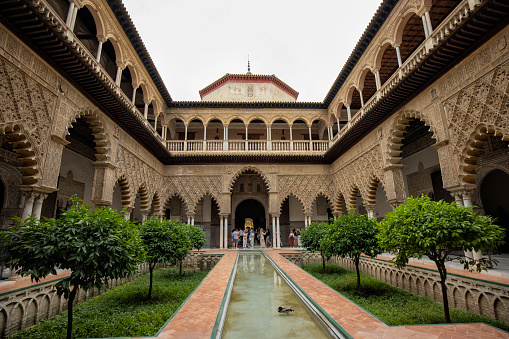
x: 257, y: 293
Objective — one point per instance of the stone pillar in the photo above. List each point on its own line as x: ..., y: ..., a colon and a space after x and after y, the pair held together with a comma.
x: 362, y: 99
x: 133, y: 100
x: 99, y: 49
x: 70, y: 14
x: 155, y: 123
x: 145, y: 111
x: 376, y: 73
x: 221, y: 232
x: 225, y: 231
x: 348, y: 113
x: 398, y: 54
x: 29, y: 204
x: 38, y: 205
x: 118, y: 77
x: 278, y: 230
x: 127, y: 215
x: 102, y: 192
x: 425, y: 25
x: 144, y: 216
x: 274, y: 236
x: 371, y: 210
x: 339, y: 126
x: 429, y: 25
x: 395, y: 189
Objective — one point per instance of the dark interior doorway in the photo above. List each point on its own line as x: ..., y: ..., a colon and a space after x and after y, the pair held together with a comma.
x: 253, y: 209
x: 495, y: 201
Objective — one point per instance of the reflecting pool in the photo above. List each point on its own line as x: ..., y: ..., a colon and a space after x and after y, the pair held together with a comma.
x: 257, y: 292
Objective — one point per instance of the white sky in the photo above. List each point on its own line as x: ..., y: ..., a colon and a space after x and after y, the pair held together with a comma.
x: 304, y: 43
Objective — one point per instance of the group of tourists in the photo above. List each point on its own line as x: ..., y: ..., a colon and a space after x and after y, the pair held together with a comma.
x: 250, y: 237
x: 295, y: 238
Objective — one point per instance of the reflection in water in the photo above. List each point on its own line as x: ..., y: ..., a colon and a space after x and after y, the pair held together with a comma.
x: 257, y: 293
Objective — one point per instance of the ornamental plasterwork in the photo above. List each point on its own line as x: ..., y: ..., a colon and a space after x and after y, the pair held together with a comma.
x: 191, y: 189
x: 305, y: 188
x: 138, y: 174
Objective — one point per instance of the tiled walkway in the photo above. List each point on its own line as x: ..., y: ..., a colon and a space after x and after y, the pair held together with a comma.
x: 197, y: 316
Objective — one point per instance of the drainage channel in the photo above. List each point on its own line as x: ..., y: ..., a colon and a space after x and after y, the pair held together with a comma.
x: 250, y: 307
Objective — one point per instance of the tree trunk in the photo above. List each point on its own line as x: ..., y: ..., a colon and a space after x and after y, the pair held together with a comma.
x: 356, y: 259
x: 180, y: 270
x: 443, y: 277
x: 70, y: 302
x: 151, y: 270
x: 323, y: 264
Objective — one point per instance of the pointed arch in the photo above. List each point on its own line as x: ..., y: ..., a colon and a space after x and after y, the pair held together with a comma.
x: 144, y: 198
x: 30, y: 162
x: 247, y: 169
x: 374, y: 182
x: 473, y: 148
x: 125, y: 191
x: 185, y: 203
x: 340, y: 205
x: 300, y: 200
x: 192, y: 209
x: 101, y: 140
x: 99, y: 22
x: 398, y: 130
x: 156, y: 204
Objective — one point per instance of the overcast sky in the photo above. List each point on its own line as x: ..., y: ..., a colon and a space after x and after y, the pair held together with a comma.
x: 304, y: 43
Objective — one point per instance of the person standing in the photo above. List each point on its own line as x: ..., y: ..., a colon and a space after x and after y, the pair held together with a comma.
x: 292, y: 238
x: 267, y: 238
x: 297, y: 236
x: 252, y: 238
x: 244, y: 238
x: 241, y: 236
x: 262, y: 238
x: 235, y: 236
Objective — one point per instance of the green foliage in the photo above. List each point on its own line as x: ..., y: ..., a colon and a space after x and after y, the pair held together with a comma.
x: 125, y: 310
x: 196, y: 236
x: 420, y: 227
x: 351, y: 235
x: 157, y: 237
x: 181, y: 243
x: 311, y: 237
x: 391, y: 304
x: 94, y: 245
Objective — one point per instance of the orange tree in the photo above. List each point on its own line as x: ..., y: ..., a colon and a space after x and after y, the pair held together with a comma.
x: 311, y: 238
x: 95, y: 245
x: 350, y: 236
x: 436, y: 229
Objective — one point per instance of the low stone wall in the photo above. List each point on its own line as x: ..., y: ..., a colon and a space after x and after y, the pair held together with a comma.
x: 26, y: 307
x: 474, y: 295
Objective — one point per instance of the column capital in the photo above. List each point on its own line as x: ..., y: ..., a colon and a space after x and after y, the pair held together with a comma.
x: 275, y: 215
x: 440, y: 144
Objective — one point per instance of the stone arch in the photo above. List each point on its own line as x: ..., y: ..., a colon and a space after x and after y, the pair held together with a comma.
x: 396, y: 134
x: 349, y: 94
x: 119, y: 53
x: 400, y: 26
x: 381, y: 50
x: 192, y: 209
x: 474, y: 146
x: 499, y: 307
x: 372, y: 187
x: 98, y: 20
x: 287, y: 197
x: 352, y: 197
x: 125, y: 190
x: 362, y: 76
x: 245, y: 169
x: 327, y: 198
x: 341, y: 207
x: 135, y: 78
x: 44, y: 308
x: 235, y: 117
x: 212, y: 118
x: 17, y: 312
x: 144, y: 200
x: 484, y: 305
x: 156, y: 204
x: 470, y: 302
x: 303, y: 119
x: 185, y: 203
x: 30, y: 162
x: 3, y: 320
x: 98, y: 131
x: 265, y: 121
x: 285, y: 119
x: 31, y: 313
